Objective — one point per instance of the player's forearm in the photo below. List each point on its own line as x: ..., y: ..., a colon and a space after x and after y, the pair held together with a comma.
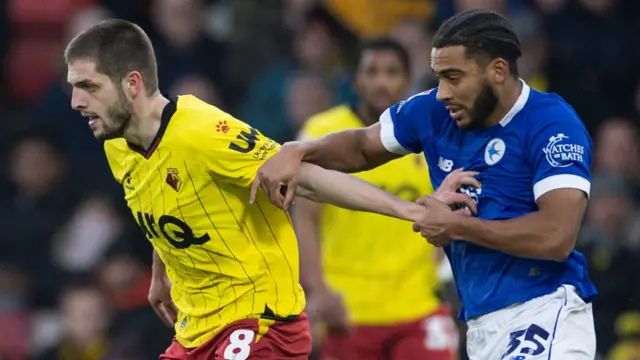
x: 157, y: 266
x: 306, y: 221
x: 351, y: 193
x: 531, y: 236
x: 342, y: 151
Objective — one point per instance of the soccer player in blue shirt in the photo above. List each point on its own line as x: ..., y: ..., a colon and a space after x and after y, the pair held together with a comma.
x: 525, y: 291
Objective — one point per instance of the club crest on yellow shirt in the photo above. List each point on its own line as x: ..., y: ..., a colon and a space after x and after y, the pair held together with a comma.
x: 173, y: 179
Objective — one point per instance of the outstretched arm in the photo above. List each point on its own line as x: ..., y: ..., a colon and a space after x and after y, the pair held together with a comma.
x: 347, y: 151
x: 353, y: 150
x: 351, y: 193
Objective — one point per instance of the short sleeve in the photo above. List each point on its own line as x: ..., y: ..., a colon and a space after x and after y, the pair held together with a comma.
x: 234, y: 151
x: 399, y: 131
x: 561, y: 153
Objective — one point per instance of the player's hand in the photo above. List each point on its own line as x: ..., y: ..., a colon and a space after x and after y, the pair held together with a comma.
x: 160, y: 300
x: 328, y: 307
x: 279, y: 176
x: 447, y: 191
x: 436, y: 223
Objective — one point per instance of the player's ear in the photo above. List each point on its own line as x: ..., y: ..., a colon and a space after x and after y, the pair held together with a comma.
x: 133, y: 83
x: 498, y: 70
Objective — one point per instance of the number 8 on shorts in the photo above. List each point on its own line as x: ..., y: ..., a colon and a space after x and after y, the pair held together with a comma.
x: 239, y: 345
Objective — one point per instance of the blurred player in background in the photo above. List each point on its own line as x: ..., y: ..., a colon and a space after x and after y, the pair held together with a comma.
x: 186, y: 168
x: 370, y: 279
x: 525, y: 291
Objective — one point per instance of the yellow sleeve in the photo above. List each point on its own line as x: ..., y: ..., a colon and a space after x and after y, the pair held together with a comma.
x: 234, y: 151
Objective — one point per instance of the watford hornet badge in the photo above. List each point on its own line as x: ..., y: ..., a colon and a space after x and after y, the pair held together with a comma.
x: 173, y: 179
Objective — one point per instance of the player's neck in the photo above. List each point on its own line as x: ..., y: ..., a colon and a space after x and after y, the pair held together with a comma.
x: 146, y: 120
x: 367, y: 115
x: 507, y: 97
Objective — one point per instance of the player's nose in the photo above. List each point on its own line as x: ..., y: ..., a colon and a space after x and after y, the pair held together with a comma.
x: 78, y: 101
x: 443, y: 94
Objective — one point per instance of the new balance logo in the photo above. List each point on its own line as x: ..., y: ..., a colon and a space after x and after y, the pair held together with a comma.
x: 445, y: 164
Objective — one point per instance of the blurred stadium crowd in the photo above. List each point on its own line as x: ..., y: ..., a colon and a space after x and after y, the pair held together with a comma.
x: 74, y: 268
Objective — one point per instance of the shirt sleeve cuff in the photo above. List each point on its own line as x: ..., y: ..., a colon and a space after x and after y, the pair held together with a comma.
x: 564, y: 181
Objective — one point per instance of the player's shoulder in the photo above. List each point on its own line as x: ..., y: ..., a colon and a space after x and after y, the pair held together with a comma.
x: 116, y: 150
x: 115, y: 146
x: 193, y: 113
x: 338, y: 118
x: 196, y: 120
x: 418, y: 107
x: 546, y: 109
x: 417, y: 102
x: 548, y: 118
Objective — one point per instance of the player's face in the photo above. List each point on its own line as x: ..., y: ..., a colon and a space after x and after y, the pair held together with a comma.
x: 463, y: 86
x: 98, y: 98
x: 381, y: 79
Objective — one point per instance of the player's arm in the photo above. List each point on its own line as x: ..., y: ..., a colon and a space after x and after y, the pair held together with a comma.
x: 349, y: 151
x: 157, y: 266
x: 160, y: 293
x: 236, y: 155
x: 560, y: 156
x: 393, y: 136
x: 346, y: 151
x: 549, y: 233
x: 306, y: 218
x: 324, y: 305
x: 350, y: 192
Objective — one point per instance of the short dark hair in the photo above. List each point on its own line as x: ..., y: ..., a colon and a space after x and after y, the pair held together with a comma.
x: 482, y: 33
x: 117, y: 47
x: 385, y: 44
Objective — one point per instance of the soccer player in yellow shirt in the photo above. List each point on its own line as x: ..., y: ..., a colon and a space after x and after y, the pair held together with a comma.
x: 186, y: 168
x: 364, y: 272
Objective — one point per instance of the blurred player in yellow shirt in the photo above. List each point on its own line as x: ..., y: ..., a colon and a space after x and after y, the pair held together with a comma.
x: 186, y: 168
x: 374, y: 264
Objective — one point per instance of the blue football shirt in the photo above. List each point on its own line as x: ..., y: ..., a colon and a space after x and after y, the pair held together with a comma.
x: 540, y: 145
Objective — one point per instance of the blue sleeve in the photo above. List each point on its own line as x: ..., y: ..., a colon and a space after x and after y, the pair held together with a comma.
x: 405, y: 124
x: 560, y: 151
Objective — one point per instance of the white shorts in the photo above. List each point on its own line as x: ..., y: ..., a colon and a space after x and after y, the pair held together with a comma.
x: 554, y: 326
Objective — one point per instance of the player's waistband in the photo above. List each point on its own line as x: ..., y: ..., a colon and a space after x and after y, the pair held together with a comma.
x: 270, y: 315
x: 515, y: 310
